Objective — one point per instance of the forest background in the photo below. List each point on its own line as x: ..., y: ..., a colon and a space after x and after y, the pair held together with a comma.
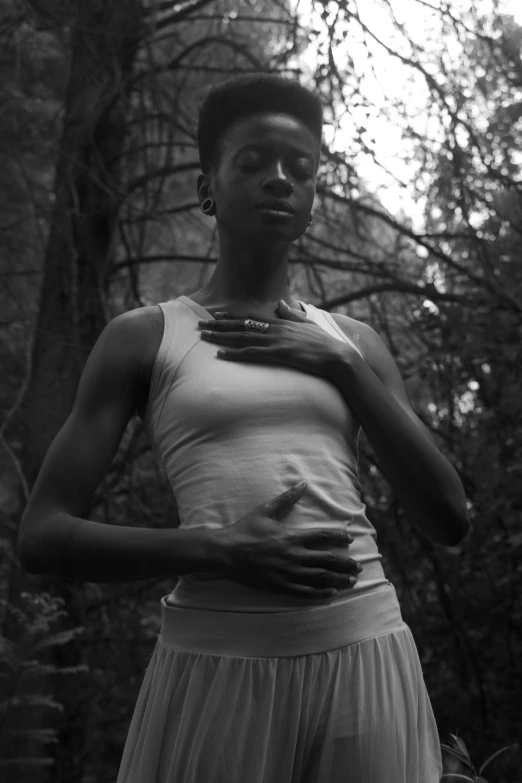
x: 99, y: 215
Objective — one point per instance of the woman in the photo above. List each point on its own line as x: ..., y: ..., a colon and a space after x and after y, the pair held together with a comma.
x: 259, y: 674
x: 246, y: 684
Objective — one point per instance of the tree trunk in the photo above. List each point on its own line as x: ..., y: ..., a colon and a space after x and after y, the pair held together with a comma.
x: 73, y: 305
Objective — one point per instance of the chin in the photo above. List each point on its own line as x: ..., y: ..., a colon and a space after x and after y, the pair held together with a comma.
x: 271, y: 238
x: 289, y: 234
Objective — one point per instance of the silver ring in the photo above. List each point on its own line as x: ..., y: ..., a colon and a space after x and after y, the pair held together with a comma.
x: 256, y: 326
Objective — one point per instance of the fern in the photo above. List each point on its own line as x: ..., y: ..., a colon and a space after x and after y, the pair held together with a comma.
x: 21, y: 666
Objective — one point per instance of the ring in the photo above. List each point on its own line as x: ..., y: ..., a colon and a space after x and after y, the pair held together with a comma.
x: 256, y: 326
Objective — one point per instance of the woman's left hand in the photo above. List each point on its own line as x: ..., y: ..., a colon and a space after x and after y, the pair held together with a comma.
x: 298, y: 343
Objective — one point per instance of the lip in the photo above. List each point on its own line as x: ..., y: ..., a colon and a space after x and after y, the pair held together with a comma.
x: 276, y: 205
x: 275, y: 214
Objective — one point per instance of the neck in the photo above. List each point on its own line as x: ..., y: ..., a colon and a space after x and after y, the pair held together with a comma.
x: 252, y: 272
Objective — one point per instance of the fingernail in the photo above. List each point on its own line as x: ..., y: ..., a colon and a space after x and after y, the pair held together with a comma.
x: 219, y: 314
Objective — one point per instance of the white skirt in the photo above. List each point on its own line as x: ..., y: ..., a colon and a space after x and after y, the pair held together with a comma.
x: 331, y: 694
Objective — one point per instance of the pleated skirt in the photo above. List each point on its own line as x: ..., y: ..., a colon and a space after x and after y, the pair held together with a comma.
x: 330, y: 694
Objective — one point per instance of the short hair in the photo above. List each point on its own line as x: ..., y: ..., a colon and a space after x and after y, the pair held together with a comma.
x: 250, y: 93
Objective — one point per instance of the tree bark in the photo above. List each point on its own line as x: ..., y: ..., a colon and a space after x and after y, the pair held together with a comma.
x: 73, y: 305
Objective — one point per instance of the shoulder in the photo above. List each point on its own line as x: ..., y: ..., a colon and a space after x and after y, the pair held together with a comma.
x: 357, y: 331
x: 135, y: 333
x: 142, y: 320
x: 378, y: 357
x: 374, y: 350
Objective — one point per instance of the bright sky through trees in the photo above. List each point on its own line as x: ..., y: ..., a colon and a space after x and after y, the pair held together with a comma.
x: 387, y: 83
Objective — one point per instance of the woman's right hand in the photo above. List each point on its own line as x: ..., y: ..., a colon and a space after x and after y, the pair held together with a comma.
x: 259, y: 552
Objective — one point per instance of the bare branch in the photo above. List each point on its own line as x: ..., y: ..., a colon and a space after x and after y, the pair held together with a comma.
x: 164, y: 171
x: 175, y: 64
x: 158, y: 258
x: 176, y: 16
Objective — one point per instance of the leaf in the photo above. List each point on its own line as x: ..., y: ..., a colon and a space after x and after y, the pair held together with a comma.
x: 497, y: 753
x: 456, y: 753
x: 63, y: 637
x: 451, y: 776
x: 41, y: 669
x: 36, y: 701
x: 47, y: 735
x: 79, y: 669
x: 461, y: 744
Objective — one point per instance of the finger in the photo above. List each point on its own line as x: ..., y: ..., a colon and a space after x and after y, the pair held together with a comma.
x: 285, y: 583
x: 240, y: 317
x: 252, y: 353
x: 336, y: 565
x: 309, y: 538
x: 215, y: 327
x: 291, y: 313
x: 328, y: 578
x: 317, y: 565
x: 239, y: 339
x: 306, y: 591
x: 321, y: 578
x: 222, y: 325
x: 277, y: 507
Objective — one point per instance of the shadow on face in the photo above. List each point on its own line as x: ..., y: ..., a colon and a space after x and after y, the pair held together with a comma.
x: 263, y: 156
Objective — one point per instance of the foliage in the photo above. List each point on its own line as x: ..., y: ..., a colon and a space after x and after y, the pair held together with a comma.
x: 20, y: 665
x: 457, y: 764
x: 435, y: 270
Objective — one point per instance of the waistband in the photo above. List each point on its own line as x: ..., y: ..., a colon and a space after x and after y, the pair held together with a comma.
x: 276, y: 634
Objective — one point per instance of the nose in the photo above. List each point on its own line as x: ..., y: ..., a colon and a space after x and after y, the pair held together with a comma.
x: 277, y: 180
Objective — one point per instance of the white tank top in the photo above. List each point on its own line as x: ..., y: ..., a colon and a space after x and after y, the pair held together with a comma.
x: 233, y: 435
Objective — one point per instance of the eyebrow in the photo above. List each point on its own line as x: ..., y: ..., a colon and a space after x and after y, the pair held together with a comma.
x: 302, y: 152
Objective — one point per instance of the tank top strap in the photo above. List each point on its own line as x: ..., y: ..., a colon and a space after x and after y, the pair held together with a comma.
x: 180, y: 334
x: 326, y: 322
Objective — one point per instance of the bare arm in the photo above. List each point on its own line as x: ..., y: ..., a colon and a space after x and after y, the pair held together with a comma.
x: 53, y: 537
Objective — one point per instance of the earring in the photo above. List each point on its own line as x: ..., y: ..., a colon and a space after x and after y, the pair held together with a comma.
x: 208, y: 207
x: 310, y: 220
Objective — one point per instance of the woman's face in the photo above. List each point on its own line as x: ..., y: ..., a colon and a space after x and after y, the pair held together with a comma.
x: 266, y: 155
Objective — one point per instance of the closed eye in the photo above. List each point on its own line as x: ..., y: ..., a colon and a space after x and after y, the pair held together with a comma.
x: 299, y: 172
